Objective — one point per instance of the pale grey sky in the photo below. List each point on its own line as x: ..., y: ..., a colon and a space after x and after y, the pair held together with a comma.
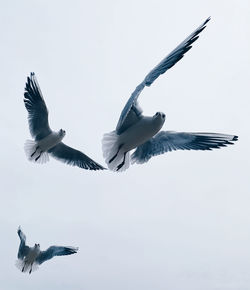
x: 179, y: 222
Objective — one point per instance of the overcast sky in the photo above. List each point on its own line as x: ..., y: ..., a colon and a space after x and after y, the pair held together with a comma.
x: 179, y: 222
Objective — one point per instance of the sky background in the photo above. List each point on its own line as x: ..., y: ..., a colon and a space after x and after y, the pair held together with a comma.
x: 179, y: 222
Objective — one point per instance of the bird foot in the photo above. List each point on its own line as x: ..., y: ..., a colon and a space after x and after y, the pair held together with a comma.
x: 123, y: 162
x: 39, y: 155
x: 34, y: 152
x: 116, y: 153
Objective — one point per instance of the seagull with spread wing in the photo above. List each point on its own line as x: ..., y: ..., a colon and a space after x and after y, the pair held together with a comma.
x: 135, y: 131
x: 29, y: 258
x: 48, y: 142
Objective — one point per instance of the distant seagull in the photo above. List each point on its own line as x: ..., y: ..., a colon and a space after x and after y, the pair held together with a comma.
x: 48, y: 141
x: 135, y: 131
x: 30, y: 258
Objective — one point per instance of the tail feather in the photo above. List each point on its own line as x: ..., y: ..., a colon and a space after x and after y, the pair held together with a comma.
x: 33, y: 151
x: 113, y: 152
x: 26, y: 267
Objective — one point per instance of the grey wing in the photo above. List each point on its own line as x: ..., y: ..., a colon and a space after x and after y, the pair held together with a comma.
x: 131, y: 113
x: 37, y: 110
x: 167, y: 141
x: 23, y: 249
x: 73, y: 157
x: 55, y: 251
x: 177, y: 54
x: 170, y: 60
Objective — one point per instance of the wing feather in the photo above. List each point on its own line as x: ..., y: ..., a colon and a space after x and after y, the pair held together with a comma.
x: 23, y: 249
x: 55, y: 251
x: 74, y: 157
x: 37, y: 110
x: 170, y: 60
x: 167, y: 141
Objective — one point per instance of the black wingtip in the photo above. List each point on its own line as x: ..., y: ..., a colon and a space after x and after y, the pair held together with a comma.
x: 32, y: 74
x: 95, y: 167
x: 71, y: 250
x: 206, y: 21
x: 100, y: 168
x: 235, y: 138
x: 30, y: 77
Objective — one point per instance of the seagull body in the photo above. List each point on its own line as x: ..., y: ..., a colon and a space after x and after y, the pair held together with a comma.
x: 29, y: 258
x: 38, y: 150
x: 134, y: 136
x: 28, y: 263
x: 48, y: 142
x: 144, y: 129
x: 135, y: 131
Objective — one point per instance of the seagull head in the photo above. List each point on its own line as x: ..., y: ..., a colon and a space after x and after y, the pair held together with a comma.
x: 37, y: 246
x: 158, y: 120
x: 160, y: 116
x: 62, y: 133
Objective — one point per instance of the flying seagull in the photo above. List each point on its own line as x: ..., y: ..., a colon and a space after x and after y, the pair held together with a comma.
x: 135, y: 131
x: 48, y: 142
x: 29, y: 258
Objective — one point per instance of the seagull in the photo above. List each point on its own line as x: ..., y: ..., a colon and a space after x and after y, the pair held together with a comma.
x: 48, y: 142
x: 29, y: 258
x: 135, y: 131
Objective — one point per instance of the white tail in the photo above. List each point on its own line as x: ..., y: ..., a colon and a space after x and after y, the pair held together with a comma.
x: 26, y: 267
x: 111, y: 151
x: 33, y: 152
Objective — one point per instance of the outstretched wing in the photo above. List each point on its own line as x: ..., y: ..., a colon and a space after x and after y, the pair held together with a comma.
x: 167, y: 141
x: 36, y: 107
x: 23, y: 249
x: 73, y: 157
x: 55, y: 251
x: 131, y: 109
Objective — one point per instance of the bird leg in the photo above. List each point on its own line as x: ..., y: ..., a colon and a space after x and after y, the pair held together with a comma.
x: 116, y: 153
x: 23, y: 267
x: 39, y: 155
x: 34, y: 152
x: 120, y: 166
x: 30, y: 268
